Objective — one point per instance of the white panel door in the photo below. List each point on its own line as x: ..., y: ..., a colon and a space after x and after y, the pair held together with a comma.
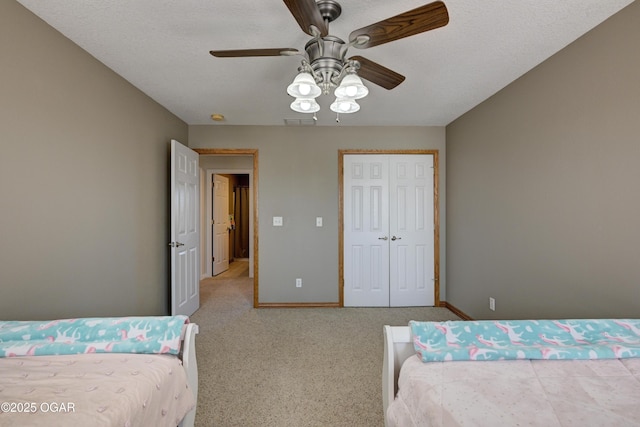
x: 185, y: 233
x: 366, y: 230
x: 411, y: 241
x: 220, y: 224
x: 388, y: 230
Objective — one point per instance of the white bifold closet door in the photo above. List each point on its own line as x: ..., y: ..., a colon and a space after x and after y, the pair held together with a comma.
x: 388, y: 230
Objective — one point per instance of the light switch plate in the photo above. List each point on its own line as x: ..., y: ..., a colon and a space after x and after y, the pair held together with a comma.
x: 277, y: 221
x: 319, y: 221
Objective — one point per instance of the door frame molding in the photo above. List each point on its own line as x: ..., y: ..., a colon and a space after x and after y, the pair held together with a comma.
x: 254, y: 153
x: 436, y: 216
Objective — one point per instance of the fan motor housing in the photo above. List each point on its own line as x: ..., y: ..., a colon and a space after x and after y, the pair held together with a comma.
x: 324, y: 55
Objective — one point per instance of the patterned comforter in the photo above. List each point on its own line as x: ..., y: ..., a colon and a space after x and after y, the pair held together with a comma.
x: 575, y: 339
x: 583, y: 372
x: 93, y: 372
x: 97, y: 390
x: 149, y: 334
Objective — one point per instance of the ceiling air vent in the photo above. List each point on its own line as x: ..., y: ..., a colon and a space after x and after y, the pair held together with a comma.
x: 299, y: 122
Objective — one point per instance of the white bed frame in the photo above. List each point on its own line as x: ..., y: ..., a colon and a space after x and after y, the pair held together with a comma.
x: 188, y: 357
x: 398, y: 347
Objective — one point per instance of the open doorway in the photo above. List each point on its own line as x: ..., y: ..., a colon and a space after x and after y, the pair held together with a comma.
x: 227, y: 230
x: 239, y: 211
x: 240, y: 166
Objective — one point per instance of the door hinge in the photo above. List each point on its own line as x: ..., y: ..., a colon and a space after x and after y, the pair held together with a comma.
x: 213, y: 221
x: 213, y: 258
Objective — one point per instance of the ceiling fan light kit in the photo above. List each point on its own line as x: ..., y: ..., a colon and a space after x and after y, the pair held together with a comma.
x: 325, y: 66
x: 310, y: 83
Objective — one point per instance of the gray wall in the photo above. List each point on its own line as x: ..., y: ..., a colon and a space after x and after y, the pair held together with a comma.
x: 298, y: 180
x: 543, y: 186
x: 83, y: 181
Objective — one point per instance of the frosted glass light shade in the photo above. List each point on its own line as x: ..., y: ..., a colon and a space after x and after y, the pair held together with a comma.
x: 344, y: 106
x: 305, y: 105
x: 304, y: 86
x: 351, y: 87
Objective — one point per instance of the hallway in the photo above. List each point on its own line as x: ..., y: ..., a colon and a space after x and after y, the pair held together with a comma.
x: 237, y: 269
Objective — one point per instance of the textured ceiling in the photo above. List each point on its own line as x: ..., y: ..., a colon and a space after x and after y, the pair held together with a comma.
x: 162, y: 47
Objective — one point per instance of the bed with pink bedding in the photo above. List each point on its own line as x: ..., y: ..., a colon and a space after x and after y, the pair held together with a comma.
x: 133, y: 371
x: 508, y: 373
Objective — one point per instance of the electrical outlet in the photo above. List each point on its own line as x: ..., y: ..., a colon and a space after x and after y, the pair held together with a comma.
x: 298, y: 283
x: 492, y: 304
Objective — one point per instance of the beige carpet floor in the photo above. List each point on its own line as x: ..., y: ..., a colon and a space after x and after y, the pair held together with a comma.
x: 290, y: 367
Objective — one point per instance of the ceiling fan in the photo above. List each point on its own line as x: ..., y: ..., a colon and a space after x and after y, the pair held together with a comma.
x: 325, y: 58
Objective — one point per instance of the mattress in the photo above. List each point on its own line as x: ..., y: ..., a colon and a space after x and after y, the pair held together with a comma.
x: 101, y: 389
x: 517, y: 393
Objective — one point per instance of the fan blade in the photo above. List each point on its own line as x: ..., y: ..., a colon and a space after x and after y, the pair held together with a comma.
x: 287, y: 51
x: 424, y: 18
x: 306, y: 12
x: 376, y: 73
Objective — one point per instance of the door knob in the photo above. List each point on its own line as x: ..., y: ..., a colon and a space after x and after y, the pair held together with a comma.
x: 176, y: 244
x: 396, y: 238
x: 383, y: 238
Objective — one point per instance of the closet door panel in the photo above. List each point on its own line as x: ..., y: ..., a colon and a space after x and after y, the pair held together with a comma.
x: 366, y: 224
x: 411, y: 281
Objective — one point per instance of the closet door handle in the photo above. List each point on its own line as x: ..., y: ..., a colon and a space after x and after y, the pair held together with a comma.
x: 383, y: 238
x: 396, y: 238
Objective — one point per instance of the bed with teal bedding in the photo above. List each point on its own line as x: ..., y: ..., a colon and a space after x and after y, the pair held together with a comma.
x: 124, y: 371
x: 578, y: 372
